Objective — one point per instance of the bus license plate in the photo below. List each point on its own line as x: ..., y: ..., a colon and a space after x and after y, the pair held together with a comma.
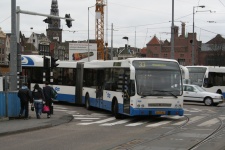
x: 160, y: 112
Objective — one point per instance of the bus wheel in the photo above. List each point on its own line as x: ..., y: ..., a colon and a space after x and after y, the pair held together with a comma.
x: 87, y: 102
x: 116, y: 110
x: 208, y: 101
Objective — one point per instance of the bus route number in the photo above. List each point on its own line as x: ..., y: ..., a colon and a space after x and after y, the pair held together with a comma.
x: 142, y: 64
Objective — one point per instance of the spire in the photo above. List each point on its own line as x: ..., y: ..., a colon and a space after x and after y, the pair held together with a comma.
x: 54, y: 11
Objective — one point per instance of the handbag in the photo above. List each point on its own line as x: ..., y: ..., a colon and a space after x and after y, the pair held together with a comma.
x: 45, y: 109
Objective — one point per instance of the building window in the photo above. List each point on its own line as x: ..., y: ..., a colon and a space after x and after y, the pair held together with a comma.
x: 181, y: 61
x: 155, y: 55
x: 165, y: 55
x: 181, y: 55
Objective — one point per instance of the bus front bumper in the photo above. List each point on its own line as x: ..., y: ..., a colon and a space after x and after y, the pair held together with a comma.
x: 156, y: 111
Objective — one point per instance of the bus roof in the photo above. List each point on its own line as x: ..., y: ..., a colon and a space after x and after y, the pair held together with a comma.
x: 119, y: 63
x: 210, y: 68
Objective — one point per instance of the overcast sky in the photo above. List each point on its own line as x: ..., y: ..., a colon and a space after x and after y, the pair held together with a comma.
x: 146, y: 17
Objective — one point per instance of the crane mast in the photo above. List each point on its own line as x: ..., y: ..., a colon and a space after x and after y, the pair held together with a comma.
x: 99, y: 28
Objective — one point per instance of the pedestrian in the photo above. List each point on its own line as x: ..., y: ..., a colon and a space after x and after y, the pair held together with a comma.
x: 25, y: 97
x: 38, y: 97
x: 48, y: 92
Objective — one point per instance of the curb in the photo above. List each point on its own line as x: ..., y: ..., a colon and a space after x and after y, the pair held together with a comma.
x: 61, y: 120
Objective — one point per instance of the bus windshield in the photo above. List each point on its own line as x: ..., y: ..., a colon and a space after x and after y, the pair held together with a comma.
x: 158, y: 78
x: 197, y: 75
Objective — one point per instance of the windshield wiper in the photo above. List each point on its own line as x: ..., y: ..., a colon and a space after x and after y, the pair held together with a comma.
x: 142, y: 96
x: 167, y: 92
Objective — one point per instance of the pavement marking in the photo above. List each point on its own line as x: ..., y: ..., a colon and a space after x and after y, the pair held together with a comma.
x: 179, y: 123
x: 115, y: 123
x: 195, y: 118
x: 211, y: 122
x: 98, y: 122
x: 136, y: 124
x: 86, y: 118
x: 59, y: 107
x: 158, y: 124
x: 60, y: 110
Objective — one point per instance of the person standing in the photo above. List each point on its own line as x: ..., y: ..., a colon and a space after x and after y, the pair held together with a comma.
x: 48, y: 93
x: 38, y: 97
x: 25, y: 97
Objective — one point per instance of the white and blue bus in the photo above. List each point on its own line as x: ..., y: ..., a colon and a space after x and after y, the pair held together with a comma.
x: 211, y: 78
x: 132, y: 87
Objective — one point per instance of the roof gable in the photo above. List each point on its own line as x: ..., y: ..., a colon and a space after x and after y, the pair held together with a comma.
x: 154, y: 41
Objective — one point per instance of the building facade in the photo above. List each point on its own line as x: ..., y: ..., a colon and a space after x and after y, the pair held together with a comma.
x: 182, y: 47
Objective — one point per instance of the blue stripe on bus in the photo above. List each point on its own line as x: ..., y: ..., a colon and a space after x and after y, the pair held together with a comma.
x: 66, y: 98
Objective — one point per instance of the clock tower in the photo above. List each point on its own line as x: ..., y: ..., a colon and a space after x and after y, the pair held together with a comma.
x: 54, y: 32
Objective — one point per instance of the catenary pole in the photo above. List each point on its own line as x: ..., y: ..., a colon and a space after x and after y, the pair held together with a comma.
x: 13, y: 49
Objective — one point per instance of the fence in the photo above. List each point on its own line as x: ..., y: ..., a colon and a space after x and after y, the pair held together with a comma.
x: 9, y: 104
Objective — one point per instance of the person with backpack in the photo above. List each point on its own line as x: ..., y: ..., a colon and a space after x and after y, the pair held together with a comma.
x: 49, y: 95
x: 25, y: 97
x: 39, y: 98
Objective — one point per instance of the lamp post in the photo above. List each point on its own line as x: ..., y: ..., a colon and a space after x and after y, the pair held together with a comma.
x: 31, y: 28
x: 193, y: 41
x: 88, y: 34
x: 172, y: 32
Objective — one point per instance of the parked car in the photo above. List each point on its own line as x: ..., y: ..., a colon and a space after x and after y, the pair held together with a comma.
x: 194, y: 93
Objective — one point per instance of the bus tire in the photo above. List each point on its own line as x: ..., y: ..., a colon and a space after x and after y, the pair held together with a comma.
x: 208, y: 101
x: 116, y: 110
x: 87, y: 102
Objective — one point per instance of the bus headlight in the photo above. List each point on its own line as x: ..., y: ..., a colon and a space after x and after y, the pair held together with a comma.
x: 142, y: 105
x: 138, y: 105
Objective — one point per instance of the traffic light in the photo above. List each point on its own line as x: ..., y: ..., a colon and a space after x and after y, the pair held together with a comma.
x: 48, y: 20
x: 53, y: 62
x: 46, y: 62
x: 68, y: 22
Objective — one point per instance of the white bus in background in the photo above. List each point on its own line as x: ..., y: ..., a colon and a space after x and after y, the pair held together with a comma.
x: 185, y: 75
x: 211, y: 78
x: 132, y: 87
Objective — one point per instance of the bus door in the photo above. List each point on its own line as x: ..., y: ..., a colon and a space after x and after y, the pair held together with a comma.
x: 126, y: 91
x: 79, y: 83
x: 99, y: 88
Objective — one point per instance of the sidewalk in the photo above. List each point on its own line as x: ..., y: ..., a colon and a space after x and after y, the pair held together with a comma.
x: 18, y: 125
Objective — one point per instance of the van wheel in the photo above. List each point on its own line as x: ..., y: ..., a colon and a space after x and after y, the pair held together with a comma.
x: 116, y: 110
x: 87, y: 102
x: 208, y: 101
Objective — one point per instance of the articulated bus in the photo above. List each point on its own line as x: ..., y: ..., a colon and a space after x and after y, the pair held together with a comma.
x: 132, y: 87
x: 211, y: 78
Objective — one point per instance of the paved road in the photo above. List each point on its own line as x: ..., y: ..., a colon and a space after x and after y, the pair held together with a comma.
x: 99, y: 130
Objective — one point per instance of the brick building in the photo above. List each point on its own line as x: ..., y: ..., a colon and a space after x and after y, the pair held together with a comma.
x: 182, y: 47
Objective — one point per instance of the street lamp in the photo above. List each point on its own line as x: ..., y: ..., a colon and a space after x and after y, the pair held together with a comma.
x: 172, y: 32
x: 193, y: 41
x: 126, y: 38
x: 31, y: 28
x: 111, y: 53
x: 88, y: 34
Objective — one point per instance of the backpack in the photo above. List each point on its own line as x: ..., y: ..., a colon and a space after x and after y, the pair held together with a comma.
x: 24, y: 95
x: 54, y: 94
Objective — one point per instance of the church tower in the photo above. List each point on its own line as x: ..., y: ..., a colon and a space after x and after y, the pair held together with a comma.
x: 54, y: 33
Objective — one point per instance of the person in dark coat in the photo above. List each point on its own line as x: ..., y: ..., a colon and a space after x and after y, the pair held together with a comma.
x: 25, y: 97
x: 48, y: 97
x: 38, y: 97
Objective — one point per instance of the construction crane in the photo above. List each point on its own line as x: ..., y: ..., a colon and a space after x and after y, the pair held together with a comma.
x: 99, y: 29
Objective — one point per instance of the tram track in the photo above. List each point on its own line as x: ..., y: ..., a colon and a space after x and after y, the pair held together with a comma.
x: 211, y: 136
x: 176, y: 130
